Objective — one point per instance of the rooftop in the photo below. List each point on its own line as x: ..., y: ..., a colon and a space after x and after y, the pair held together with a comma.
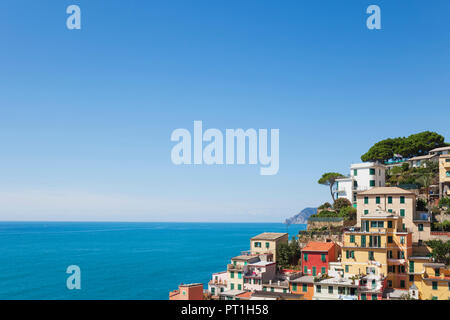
x: 280, y: 295
x: 244, y: 295
x: 269, y: 236
x: 245, y: 258
x: 385, y: 190
x: 304, y: 279
x: 232, y: 292
x: 365, y: 165
x: 318, y: 246
x: 428, y: 156
x: 440, y: 149
x: 339, y: 281
x: 191, y: 285
x: 261, y: 263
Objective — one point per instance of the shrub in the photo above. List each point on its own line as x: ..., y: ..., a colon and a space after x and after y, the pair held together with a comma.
x: 421, y: 205
x: 341, y: 203
x: 444, y: 202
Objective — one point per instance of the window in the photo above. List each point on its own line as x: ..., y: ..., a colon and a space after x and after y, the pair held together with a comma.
x: 402, y: 212
x: 404, y: 228
x: 363, y: 241
x: 346, y: 270
x: 411, y: 266
x: 272, y: 289
x: 355, y: 184
x: 402, y: 240
x: 402, y: 256
x: 372, y: 172
x: 372, y: 183
x: 347, y: 254
x: 374, y: 297
x: 366, y: 200
x: 390, y: 254
x: 232, y: 286
x: 390, y: 210
x: 284, y: 291
x: 354, y: 197
x: 420, y: 227
x: 232, y: 274
x: 378, y: 200
x: 437, y: 272
x: 447, y: 173
x: 366, y: 211
x: 390, y: 239
x: 213, y: 291
x: 341, y: 290
x: 352, y: 238
x: 323, y: 257
x: 305, y: 287
x: 390, y: 283
x: 322, y: 270
x: 390, y: 200
x: 305, y: 270
x: 363, y: 296
x: 434, y: 298
x: 239, y: 287
x: 314, y: 271
x: 319, y: 288
x: 435, y: 285
x: 390, y: 224
x: 257, y: 244
x: 371, y: 255
x: 294, y: 287
x: 353, y: 254
x: 402, y: 199
x: 373, y: 224
x: 239, y: 275
x: 380, y: 224
x: 267, y: 245
x: 305, y: 256
x: 411, y: 278
x: 330, y: 289
x: 402, y: 283
x: 447, y: 160
x: 355, y: 172
x: 222, y: 289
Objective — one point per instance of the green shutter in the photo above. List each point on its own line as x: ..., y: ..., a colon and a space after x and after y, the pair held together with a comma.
x: 402, y: 212
x: 378, y: 200
x: 305, y: 270
x: 323, y: 270
x: 314, y: 271
x: 402, y: 199
x: 390, y: 200
x: 324, y: 258
x: 305, y: 287
x: 366, y: 200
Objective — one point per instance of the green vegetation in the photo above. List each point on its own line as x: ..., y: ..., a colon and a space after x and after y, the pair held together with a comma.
x: 415, y: 145
x: 288, y: 255
x: 342, y: 208
x: 442, y: 226
x: 440, y: 250
x: 329, y: 179
x: 444, y: 202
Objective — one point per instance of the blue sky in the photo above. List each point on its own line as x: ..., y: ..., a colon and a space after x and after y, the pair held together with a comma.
x: 86, y: 115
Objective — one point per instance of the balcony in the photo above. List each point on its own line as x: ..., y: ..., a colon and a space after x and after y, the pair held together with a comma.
x: 233, y: 267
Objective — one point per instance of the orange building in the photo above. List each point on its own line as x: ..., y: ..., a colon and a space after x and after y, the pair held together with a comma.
x: 304, y: 286
x: 193, y: 291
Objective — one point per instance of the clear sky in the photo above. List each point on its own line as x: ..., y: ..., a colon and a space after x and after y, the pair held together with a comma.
x: 86, y: 115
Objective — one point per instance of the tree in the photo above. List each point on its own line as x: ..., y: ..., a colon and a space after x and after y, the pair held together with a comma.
x: 341, y: 203
x: 328, y: 179
x: 288, y: 254
x: 440, y: 251
x: 414, y: 145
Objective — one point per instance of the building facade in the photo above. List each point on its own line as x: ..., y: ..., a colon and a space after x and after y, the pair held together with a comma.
x: 399, y: 202
x: 363, y: 176
x: 379, y: 247
x: 444, y: 175
x: 267, y: 243
x: 316, y: 256
x: 193, y: 291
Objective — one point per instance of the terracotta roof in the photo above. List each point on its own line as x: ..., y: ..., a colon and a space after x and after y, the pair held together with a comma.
x: 247, y: 294
x: 386, y: 190
x: 318, y: 246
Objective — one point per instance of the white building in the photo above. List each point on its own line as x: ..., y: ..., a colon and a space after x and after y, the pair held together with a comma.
x: 218, y: 283
x: 257, y: 273
x: 338, y: 288
x: 363, y: 176
x: 440, y: 151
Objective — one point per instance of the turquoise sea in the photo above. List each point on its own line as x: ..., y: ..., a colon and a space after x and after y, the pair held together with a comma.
x: 117, y: 260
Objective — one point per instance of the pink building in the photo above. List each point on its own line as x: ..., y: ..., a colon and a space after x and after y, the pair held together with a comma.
x: 257, y: 273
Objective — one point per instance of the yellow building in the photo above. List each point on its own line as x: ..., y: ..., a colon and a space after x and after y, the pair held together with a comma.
x: 444, y: 175
x: 399, y: 202
x: 431, y: 279
x: 381, y: 246
x: 267, y: 243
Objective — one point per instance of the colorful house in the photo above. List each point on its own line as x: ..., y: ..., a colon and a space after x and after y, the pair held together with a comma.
x: 431, y: 279
x: 380, y: 247
x: 316, y: 256
x: 304, y: 286
x: 193, y: 291
x: 268, y: 243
